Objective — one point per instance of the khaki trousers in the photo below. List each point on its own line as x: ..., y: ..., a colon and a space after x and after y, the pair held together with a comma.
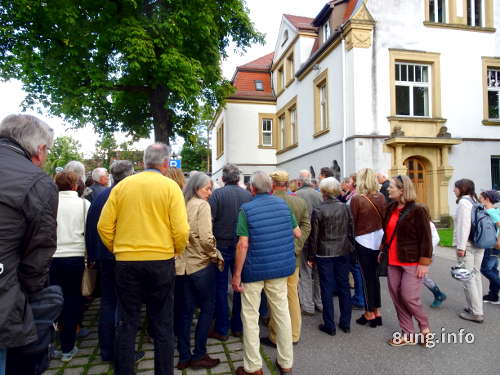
x: 473, y: 288
x: 276, y: 292
x: 293, y: 305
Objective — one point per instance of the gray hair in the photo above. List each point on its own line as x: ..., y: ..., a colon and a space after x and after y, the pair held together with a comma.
x: 121, y: 169
x: 195, y: 183
x: 29, y: 131
x: 76, y: 167
x: 330, y: 186
x: 98, y: 173
x: 261, y: 182
x: 230, y: 174
x: 305, y: 177
x: 156, y: 154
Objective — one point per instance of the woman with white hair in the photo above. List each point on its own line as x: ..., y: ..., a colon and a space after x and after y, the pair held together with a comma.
x: 330, y: 246
x: 196, y: 272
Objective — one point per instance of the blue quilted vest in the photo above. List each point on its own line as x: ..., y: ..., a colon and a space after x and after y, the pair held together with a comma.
x: 271, y: 251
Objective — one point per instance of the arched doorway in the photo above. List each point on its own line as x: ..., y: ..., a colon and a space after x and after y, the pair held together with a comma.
x: 417, y: 172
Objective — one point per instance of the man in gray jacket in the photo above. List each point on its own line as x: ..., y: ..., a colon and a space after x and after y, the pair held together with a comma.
x: 28, y: 206
x: 309, y: 290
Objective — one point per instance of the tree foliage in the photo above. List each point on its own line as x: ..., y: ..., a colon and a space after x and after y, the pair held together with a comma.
x: 64, y: 150
x: 195, y: 155
x: 105, y: 150
x: 123, y: 65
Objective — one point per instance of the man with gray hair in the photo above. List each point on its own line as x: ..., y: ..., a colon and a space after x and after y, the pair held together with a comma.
x: 28, y: 206
x: 78, y: 168
x: 309, y: 288
x: 100, y: 177
x: 144, y: 224
x: 99, y: 255
x: 265, y: 258
x: 384, y: 184
x: 225, y: 204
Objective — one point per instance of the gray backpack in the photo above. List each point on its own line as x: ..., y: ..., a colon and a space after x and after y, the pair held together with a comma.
x: 483, y: 233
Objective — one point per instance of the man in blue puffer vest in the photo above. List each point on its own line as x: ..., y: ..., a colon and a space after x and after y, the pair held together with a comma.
x: 265, y: 257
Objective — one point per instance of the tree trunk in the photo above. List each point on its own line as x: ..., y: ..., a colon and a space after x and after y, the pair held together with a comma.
x: 161, y: 118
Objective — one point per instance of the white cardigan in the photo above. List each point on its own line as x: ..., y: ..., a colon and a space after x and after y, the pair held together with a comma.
x: 71, y: 225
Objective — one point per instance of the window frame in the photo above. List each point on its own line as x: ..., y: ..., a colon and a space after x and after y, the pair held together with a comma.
x: 290, y: 69
x: 457, y: 14
x: 326, y: 31
x: 493, y: 185
x: 280, y: 78
x: 411, y: 85
x: 321, y: 81
x: 261, y: 82
x: 286, y: 139
x: 274, y: 125
x: 220, y: 140
x: 489, y: 63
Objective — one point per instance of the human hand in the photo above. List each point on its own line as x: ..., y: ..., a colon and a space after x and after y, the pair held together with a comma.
x: 422, y: 271
x: 310, y: 264
x: 460, y: 253
x: 236, y: 283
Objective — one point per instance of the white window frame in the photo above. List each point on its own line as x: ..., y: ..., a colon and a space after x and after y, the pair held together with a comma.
x: 267, y: 132
x: 326, y: 31
x: 494, y: 88
x: 323, y: 106
x: 293, y: 125
x: 282, y: 129
x: 473, y: 13
x: 436, y: 12
x: 412, y: 84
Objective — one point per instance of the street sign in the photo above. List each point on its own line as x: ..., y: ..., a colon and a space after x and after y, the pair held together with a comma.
x: 175, y: 163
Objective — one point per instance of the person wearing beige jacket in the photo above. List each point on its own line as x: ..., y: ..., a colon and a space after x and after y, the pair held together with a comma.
x: 196, y: 271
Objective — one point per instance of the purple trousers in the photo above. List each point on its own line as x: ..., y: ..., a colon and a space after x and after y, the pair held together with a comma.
x: 405, y: 289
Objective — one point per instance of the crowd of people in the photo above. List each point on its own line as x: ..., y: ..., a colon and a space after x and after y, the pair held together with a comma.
x: 175, y: 246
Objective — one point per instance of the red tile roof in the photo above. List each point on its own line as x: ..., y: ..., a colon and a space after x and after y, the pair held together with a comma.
x: 351, y: 5
x: 262, y: 63
x: 301, y: 23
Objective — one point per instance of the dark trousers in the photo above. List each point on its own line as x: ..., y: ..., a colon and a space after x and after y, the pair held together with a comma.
x: 489, y: 268
x: 68, y: 273
x: 334, y: 272
x: 222, y: 319
x: 151, y: 282
x: 107, y: 314
x: 198, y: 290
x: 368, y: 261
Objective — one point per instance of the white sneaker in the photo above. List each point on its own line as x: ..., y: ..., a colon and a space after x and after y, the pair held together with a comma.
x: 66, y: 357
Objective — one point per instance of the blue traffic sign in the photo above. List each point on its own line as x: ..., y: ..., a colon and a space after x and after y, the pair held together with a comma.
x: 175, y: 163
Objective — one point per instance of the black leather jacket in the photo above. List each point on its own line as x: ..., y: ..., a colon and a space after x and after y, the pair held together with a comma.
x: 331, y: 230
x: 28, y: 239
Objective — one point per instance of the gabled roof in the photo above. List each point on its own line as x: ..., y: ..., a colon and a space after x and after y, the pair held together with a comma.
x: 301, y: 23
x: 261, y: 64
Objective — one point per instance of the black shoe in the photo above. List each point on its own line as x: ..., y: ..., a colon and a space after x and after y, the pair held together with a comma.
x: 267, y: 342
x: 139, y: 356
x: 488, y: 298
x: 330, y: 332
x: 345, y: 329
x: 378, y: 320
x: 182, y: 365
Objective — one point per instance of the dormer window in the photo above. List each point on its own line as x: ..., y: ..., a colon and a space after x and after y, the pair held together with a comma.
x: 259, y: 85
x: 326, y: 31
x: 285, y: 37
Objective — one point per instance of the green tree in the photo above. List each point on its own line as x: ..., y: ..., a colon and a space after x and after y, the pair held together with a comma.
x: 64, y: 150
x: 195, y: 155
x: 123, y: 65
x: 105, y: 150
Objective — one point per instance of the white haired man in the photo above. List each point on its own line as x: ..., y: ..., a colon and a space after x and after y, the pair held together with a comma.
x: 28, y: 206
x: 100, y: 177
x: 384, y: 184
x: 144, y: 224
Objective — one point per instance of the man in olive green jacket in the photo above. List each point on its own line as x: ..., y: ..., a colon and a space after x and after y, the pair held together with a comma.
x: 299, y: 209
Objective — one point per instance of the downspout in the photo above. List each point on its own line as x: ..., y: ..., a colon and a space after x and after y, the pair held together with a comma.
x: 344, y: 110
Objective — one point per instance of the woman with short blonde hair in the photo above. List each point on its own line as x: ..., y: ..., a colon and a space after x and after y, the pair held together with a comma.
x: 368, y: 212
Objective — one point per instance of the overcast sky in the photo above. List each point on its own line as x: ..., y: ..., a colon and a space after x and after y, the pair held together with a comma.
x: 266, y: 16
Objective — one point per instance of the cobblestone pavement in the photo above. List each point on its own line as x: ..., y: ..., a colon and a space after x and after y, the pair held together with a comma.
x: 88, y: 360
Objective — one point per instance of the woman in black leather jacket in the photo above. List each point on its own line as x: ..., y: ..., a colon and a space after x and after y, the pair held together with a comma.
x: 329, y: 247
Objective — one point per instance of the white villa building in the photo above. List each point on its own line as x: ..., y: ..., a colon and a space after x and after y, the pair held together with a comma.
x: 409, y: 87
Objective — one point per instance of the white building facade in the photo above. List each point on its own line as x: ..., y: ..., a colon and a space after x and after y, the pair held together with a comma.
x: 410, y: 89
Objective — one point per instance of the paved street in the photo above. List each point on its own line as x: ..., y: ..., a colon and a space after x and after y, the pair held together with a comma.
x: 363, y: 351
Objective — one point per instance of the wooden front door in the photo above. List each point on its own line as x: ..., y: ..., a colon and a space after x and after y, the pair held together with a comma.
x: 416, y: 172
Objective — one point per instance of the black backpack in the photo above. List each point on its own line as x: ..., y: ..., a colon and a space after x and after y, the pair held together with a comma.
x: 46, y: 306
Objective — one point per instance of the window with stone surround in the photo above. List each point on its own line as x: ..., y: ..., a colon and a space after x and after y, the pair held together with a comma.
x: 412, y: 83
x: 220, y: 140
x: 475, y: 10
x: 476, y: 15
x: 437, y: 11
x: 267, y: 131
x: 321, y: 115
x: 282, y: 129
x: 288, y: 126
x: 495, y: 172
x: 493, y: 93
x: 292, y: 113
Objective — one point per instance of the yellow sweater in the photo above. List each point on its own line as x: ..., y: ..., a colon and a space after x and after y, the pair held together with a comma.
x: 145, y: 219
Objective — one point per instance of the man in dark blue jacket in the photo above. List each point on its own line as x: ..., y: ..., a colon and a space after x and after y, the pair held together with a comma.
x: 225, y: 204
x: 265, y: 257
x: 98, y: 254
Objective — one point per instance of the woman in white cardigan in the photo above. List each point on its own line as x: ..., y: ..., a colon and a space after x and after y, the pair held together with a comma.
x: 466, y: 252
x: 69, y: 259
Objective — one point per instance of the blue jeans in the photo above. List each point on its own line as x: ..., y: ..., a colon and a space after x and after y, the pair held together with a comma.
x: 198, y: 290
x: 222, y: 319
x: 107, y: 313
x: 3, y: 360
x: 334, y: 272
x: 489, y: 268
x: 359, y: 297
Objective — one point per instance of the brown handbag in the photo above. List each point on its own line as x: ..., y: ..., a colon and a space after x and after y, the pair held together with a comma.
x: 89, y: 278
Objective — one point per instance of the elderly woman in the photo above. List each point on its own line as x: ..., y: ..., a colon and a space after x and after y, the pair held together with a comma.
x: 408, y: 245
x: 195, y: 270
x: 368, y: 211
x: 69, y: 259
x: 330, y: 246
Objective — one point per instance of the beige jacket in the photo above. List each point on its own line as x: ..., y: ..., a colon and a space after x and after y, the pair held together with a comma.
x: 201, y: 249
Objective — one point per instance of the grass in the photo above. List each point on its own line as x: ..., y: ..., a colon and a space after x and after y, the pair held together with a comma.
x: 446, y: 237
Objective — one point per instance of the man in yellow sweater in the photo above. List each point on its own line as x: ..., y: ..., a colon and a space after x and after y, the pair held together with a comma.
x: 144, y: 224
